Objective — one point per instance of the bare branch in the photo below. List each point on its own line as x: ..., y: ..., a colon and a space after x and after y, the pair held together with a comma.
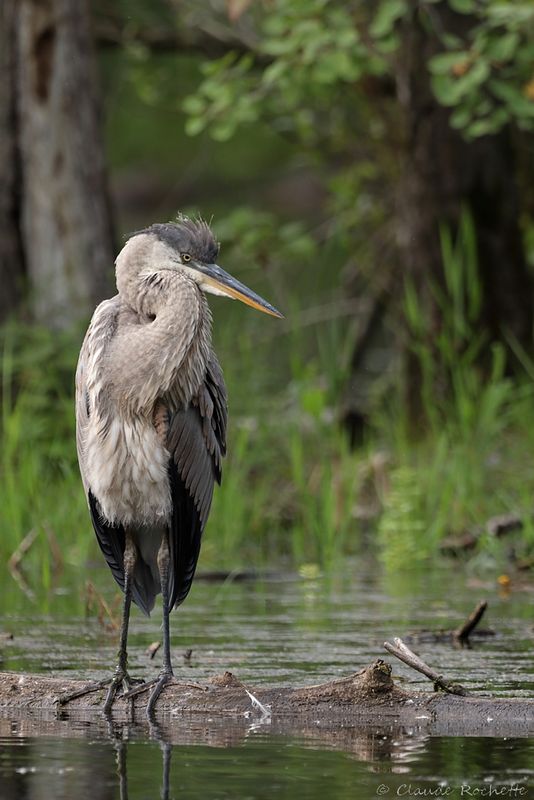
x: 163, y: 40
x: 403, y: 653
x: 462, y: 633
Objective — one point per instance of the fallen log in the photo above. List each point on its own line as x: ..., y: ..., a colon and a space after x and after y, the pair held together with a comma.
x: 369, y: 697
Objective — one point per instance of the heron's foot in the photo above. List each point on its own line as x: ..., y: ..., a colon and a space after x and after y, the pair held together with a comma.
x: 157, y: 685
x: 65, y: 698
x: 120, y: 678
x: 163, y: 680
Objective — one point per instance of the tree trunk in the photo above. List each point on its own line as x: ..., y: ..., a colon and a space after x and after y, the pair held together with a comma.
x: 444, y: 173
x: 11, y: 257
x: 56, y: 202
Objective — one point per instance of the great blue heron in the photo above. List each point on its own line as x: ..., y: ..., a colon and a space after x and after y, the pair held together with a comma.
x: 151, y: 417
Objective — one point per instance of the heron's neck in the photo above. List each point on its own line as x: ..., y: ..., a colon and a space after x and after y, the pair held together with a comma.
x: 169, y: 351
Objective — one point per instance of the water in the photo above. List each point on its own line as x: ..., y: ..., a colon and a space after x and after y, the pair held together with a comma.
x: 285, y: 631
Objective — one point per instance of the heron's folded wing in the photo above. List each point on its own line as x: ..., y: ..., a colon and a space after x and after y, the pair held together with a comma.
x: 90, y: 401
x: 196, y: 440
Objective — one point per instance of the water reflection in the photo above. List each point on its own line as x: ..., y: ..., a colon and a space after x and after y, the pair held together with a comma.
x: 53, y: 758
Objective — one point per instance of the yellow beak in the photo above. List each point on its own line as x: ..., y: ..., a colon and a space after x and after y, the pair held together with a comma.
x: 223, y: 283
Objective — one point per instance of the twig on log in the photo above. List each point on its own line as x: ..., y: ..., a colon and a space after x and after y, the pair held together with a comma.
x: 403, y: 652
x: 152, y: 649
x: 462, y: 633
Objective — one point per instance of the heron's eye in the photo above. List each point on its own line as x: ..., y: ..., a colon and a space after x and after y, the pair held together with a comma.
x: 186, y: 257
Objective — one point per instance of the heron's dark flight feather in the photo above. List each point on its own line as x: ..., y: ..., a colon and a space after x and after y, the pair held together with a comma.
x: 111, y: 539
x: 196, y: 440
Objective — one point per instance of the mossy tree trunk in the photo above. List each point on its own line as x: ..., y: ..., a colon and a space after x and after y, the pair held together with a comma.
x: 55, y: 224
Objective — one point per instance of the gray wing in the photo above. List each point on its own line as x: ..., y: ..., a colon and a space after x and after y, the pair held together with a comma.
x: 196, y: 440
x: 89, y: 405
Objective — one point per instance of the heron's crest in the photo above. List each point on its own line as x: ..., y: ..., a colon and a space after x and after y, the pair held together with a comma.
x: 186, y: 235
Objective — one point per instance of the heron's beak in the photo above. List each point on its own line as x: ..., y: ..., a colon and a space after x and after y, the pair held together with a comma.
x: 218, y: 281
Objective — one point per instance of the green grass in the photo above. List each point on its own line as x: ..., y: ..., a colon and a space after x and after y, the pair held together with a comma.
x: 475, y: 460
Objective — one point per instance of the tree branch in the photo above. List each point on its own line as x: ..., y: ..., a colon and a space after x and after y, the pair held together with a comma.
x: 162, y: 40
x: 403, y: 653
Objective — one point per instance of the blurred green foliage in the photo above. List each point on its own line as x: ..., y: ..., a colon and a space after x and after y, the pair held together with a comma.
x: 310, y: 53
x: 489, y: 79
x: 478, y: 437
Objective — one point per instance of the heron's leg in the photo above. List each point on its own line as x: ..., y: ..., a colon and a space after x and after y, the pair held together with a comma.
x: 166, y: 673
x: 164, y: 559
x: 121, y: 672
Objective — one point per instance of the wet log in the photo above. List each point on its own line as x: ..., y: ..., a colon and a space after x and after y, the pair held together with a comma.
x: 369, y: 697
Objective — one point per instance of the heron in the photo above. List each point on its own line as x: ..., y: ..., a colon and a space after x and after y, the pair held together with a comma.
x: 151, y: 418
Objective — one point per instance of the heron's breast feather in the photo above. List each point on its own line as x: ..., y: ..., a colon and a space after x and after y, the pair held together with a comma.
x: 126, y: 464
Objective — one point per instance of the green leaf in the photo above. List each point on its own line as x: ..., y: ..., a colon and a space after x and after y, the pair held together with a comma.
x: 460, y: 118
x: 194, y: 126
x: 481, y: 127
x: 444, y: 63
x: 503, y: 90
x: 274, y: 72
x: 194, y: 105
x: 389, y: 44
x: 223, y: 131
x: 446, y: 90
x: 387, y: 15
x: 451, y: 90
x: 463, y: 6
x: 279, y: 47
x: 514, y: 98
x: 478, y: 73
x: 502, y: 48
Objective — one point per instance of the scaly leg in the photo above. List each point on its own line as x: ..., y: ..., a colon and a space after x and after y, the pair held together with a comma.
x: 166, y: 673
x: 121, y: 676
x: 121, y: 672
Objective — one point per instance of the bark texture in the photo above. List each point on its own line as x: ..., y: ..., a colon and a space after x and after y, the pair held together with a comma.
x: 55, y: 200
x: 11, y: 256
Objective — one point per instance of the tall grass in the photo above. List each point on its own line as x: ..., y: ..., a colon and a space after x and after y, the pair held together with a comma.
x: 38, y: 470
x: 475, y: 460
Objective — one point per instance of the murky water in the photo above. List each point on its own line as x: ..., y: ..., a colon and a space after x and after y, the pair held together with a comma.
x: 269, y: 631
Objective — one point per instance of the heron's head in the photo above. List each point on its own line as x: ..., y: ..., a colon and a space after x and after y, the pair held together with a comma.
x: 190, y: 247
